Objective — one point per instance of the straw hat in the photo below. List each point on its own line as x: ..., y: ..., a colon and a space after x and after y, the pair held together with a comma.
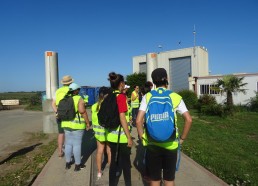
x: 67, y: 80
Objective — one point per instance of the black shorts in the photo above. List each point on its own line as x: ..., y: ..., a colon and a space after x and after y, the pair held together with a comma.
x: 158, y: 158
x: 60, y: 129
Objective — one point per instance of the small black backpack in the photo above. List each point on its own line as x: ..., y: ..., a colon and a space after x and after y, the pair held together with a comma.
x: 66, y: 109
x: 108, y: 114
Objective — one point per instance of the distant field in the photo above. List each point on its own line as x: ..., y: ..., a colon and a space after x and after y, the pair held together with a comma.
x: 24, y: 97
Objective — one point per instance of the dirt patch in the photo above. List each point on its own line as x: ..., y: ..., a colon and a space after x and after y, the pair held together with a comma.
x: 27, y: 158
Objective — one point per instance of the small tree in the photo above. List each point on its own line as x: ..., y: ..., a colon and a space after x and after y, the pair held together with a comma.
x: 230, y: 84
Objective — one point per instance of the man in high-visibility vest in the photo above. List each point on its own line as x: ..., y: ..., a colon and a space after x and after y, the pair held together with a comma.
x: 135, y: 103
x: 60, y: 93
x: 162, y: 155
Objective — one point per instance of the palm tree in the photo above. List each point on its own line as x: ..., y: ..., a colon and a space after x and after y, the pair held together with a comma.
x: 230, y: 84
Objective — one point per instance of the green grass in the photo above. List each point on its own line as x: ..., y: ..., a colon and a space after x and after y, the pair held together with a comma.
x: 25, y: 98
x: 228, y: 147
x: 28, y: 166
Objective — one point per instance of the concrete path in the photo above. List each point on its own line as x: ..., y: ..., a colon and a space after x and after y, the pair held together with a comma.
x: 54, y: 173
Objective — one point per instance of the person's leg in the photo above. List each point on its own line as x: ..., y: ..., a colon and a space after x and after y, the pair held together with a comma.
x: 169, y: 183
x: 108, y: 153
x: 154, y: 183
x: 68, y: 148
x: 126, y: 163
x: 60, y: 138
x: 169, y: 167
x: 153, y: 160
x: 114, y: 170
x: 100, y: 151
x: 77, y: 142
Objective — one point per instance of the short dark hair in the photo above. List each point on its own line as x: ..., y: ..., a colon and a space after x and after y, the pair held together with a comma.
x: 159, y: 77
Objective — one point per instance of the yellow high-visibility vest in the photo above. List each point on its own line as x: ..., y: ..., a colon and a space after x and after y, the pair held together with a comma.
x: 78, y: 123
x: 100, y: 133
x: 136, y: 102
x: 60, y: 93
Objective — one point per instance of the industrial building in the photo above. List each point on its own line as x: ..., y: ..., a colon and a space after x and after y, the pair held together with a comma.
x: 188, y: 69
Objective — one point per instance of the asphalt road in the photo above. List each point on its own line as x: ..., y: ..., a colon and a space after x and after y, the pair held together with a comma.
x: 14, y: 124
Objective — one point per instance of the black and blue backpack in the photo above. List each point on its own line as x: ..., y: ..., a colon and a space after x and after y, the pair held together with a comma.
x: 159, y: 117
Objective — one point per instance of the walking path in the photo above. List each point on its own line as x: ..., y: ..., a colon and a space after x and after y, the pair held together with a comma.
x: 54, y: 173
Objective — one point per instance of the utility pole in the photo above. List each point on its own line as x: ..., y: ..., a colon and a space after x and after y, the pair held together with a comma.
x: 194, y: 34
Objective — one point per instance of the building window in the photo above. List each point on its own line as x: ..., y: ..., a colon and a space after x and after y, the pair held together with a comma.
x: 143, y: 67
x: 207, y: 89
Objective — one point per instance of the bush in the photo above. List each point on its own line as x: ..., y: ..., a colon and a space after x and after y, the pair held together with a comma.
x: 207, y: 105
x: 189, y: 97
x: 35, y: 102
x: 253, y: 103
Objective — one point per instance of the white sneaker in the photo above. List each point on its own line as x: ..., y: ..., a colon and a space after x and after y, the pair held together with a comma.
x: 99, y: 175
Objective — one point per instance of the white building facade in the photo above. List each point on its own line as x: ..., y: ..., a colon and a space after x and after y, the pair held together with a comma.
x: 205, y: 83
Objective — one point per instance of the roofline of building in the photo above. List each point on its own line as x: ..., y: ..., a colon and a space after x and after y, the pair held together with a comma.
x: 220, y: 75
x: 201, y: 47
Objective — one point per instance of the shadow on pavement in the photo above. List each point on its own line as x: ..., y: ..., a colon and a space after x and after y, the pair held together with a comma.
x: 139, y: 163
x: 89, y: 145
x: 20, y: 152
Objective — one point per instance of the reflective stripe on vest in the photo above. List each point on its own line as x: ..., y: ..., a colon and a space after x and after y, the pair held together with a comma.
x: 112, y: 135
x: 99, y: 131
x: 76, y: 123
x: 135, y: 103
x: 176, y: 99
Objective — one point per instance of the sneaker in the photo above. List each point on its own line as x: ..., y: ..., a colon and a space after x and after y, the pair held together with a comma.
x: 67, y: 166
x: 79, y: 167
x: 99, y: 175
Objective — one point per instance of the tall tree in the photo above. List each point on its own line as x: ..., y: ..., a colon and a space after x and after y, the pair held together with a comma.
x: 230, y: 84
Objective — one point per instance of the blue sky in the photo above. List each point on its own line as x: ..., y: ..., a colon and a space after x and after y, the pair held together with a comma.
x: 95, y: 37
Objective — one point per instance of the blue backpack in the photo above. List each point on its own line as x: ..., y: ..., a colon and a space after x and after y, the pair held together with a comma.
x: 159, y: 117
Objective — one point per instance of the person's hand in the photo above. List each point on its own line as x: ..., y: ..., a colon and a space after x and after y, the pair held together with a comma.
x: 88, y: 127
x: 181, y: 141
x: 56, y: 115
x: 130, y: 142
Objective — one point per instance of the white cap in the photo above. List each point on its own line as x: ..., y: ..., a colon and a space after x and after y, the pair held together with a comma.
x: 74, y: 86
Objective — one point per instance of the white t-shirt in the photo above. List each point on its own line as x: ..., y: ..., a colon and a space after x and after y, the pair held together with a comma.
x: 180, y: 109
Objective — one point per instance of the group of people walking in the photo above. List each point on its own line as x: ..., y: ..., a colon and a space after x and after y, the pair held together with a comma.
x: 116, y: 143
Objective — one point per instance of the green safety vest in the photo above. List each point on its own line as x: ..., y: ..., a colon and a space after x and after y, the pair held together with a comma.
x: 112, y: 134
x: 171, y: 145
x: 127, y: 114
x: 85, y: 98
x: 60, y: 93
x: 100, y: 133
x: 136, y: 102
x: 77, y: 123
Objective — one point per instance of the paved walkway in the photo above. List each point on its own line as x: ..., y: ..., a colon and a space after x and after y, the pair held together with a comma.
x: 54, y: 173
